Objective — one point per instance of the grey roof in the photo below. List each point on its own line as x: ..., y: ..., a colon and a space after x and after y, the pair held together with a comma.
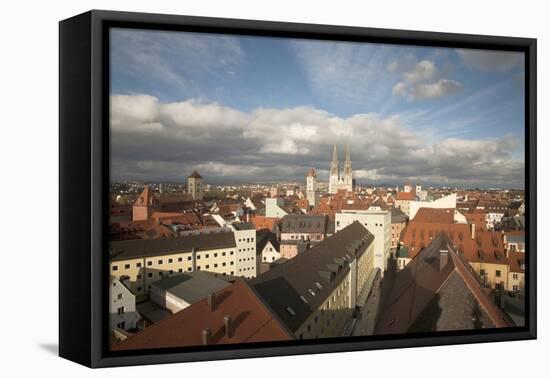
x: 397, y: 216
x: 192, y: 286
x: 244, y: 226
x: 264, y: 236
x: 127, y: 249
x: 308, y: 224
x: 327, y: 264
x: 432, y: 294
x: 515, y: 239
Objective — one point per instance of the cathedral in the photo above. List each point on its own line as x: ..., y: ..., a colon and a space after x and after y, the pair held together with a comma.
x: 337, y: 181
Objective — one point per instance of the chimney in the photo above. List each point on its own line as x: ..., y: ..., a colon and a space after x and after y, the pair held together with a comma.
x: 473, y: 230
x: 443, y: 258
x: 227, y: 321
x: 206, y: 334
x: 211, y: 298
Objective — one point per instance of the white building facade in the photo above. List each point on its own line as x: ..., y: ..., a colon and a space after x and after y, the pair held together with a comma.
x: 245, y: 240
x: 378, y: 222
x: 122, y: 306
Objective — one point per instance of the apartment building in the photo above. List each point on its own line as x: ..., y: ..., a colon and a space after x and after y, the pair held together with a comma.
x: 315, y: 293
x: 146, y: 261
x: 378, y: 222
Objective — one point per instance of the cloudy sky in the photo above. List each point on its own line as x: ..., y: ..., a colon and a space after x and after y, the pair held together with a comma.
x: 256, y: 109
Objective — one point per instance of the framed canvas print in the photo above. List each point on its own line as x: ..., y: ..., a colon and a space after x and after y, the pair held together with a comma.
x: 234, y: 188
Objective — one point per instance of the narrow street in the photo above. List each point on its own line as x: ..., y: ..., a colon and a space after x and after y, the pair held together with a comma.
x: 373, y: 303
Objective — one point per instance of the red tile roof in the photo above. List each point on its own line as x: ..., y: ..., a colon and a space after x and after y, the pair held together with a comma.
x: 405, y: 196
x: 252, y: 321
x: 425, y: 214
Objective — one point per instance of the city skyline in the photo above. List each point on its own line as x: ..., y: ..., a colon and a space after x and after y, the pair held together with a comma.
x: 250, y: 109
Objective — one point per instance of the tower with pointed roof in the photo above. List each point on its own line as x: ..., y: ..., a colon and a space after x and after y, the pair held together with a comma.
x: 311, y: 188
x: 145, y: 205
x: 194, y: 186
x: 348, y: 173
x: 337, y: 181
x: 334, y: 173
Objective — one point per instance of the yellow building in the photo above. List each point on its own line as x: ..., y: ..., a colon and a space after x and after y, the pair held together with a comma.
x: 146, y: 261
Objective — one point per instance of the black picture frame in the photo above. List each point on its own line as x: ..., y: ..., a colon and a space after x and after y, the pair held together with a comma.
x: 84, y: 189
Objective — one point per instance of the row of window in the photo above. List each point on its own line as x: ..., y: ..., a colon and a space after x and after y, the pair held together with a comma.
x: 248, y: 240
x: 170, y: 261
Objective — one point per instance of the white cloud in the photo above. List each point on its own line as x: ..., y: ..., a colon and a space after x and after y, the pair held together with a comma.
x: 268, y: 144
x: 491, y: 61
x: 424, y: 82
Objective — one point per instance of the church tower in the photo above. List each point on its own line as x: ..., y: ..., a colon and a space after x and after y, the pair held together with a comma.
x: 311, y: 188
x: 348, y: 173
x: 145, y: 205
x: 194, y: 186
x: 334, y: 173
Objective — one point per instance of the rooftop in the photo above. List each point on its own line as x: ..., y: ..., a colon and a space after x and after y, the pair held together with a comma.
x: 191, y: 286
x: 438, y: 291
x: 304, y: 282
x: 251, y: 321
x: 128, y: 249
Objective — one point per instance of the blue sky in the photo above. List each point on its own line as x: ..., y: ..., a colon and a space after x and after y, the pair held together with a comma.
x: 252, y: 94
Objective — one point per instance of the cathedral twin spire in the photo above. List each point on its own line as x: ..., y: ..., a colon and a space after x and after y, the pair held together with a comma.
x: 336, y: 181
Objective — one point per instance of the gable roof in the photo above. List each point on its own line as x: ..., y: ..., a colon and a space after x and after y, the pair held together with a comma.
x: 426, y: 214
x: 428, y: 280
x: 251, y: 320
x: 405, y: 196
x: 304, y: 282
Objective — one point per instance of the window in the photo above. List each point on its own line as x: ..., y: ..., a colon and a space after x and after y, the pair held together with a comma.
x: 515, y: 288
x: 207, y: 256
x: 138, y: 276
x: 160, y: 262
x: 215, y: 265
x: 198, y: 257
x: 497, y: 273
x: 223, y: 253
x: 119, y: 296
x: 180, y: 259
x: 115, y: 268
x: 223, y: 264
x: 231, y: 263
x: 231, y: 253
x: 189, y: 258
x: 120, y: 325
x: 149, y: 263
x: 149, y: 275
x: 207, y: 267
x: 171, y: 271
x: 138, y: 265
x: 215, y: 255
x: 170, y: 261
x: 515, y: 276
x: 120, y: 310
x: 180, y: 270
x: 199, y: 267
x: 189, y: 269
x: 126, y: 266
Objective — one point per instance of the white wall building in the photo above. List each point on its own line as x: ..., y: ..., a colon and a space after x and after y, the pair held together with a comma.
x: 447, y: 202
x: 274, y: 207
x: 122, y: 306
x: 378, y: 222
x: 245, y: 259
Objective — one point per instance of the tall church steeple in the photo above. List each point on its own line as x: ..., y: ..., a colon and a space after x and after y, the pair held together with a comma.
x: 348, y: 173
x: 334, y: 172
